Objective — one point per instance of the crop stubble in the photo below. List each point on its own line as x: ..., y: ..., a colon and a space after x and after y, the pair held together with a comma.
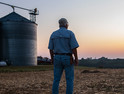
x: 104, y: 81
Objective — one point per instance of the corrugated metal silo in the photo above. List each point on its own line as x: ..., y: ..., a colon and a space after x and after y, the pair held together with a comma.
x: 18, y: 40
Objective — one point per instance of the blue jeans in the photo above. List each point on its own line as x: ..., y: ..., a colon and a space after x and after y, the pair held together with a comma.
x: 62, y: 62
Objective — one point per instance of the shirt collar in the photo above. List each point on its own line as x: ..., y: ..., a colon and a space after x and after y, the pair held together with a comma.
x: 62, y: 28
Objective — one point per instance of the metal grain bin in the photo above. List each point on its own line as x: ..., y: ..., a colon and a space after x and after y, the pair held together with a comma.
x: 18, y: 40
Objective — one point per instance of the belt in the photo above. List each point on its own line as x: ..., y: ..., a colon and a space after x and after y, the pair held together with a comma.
x: 69, y: 54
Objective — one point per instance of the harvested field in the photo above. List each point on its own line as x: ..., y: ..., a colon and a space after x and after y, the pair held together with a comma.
x: 87, y: 81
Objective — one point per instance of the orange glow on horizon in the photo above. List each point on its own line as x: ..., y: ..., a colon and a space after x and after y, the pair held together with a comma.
x: 101, y: 47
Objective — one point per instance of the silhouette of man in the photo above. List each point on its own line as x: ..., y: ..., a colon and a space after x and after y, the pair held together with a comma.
x: 62, y: 45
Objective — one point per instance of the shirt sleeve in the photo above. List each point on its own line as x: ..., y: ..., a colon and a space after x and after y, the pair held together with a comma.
x: 73, y: 41
x: 50, y: 46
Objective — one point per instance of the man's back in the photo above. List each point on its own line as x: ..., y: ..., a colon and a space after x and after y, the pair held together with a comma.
x: 63, y: 41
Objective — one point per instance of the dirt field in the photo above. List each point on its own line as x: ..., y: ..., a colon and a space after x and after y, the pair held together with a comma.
x: 102, y: 81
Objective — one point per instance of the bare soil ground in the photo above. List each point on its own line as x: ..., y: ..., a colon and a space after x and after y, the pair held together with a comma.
x: 97, y: 81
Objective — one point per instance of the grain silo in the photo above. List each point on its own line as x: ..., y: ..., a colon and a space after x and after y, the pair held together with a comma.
x: 18, y: 40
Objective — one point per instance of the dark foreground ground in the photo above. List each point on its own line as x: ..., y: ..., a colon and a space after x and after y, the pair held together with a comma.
x: 87, y: 81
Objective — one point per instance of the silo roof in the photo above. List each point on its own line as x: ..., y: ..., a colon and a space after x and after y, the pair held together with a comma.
x: 14, y: 17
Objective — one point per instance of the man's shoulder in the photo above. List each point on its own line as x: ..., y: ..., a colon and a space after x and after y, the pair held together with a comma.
x: 55, y: 32
x: 70, y: 31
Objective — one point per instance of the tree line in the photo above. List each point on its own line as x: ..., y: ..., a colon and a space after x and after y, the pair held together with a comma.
x: 102, y: 62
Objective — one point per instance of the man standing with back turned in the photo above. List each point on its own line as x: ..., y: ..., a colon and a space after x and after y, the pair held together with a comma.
x: 62, y: 45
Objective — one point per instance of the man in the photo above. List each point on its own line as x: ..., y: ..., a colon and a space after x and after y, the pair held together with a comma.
x: 62, y: 45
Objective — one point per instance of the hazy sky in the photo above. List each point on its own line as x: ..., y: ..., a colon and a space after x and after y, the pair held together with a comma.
x: 98, y: 24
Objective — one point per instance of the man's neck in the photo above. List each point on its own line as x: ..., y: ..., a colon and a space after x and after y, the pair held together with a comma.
x: 63, y: 27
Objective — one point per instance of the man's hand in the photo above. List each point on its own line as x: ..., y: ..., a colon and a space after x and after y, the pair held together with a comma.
x: 51, y: 61
x: 51, y: 54
x: 76, y: 62
x: 75, y: 55
x: 71, y: 60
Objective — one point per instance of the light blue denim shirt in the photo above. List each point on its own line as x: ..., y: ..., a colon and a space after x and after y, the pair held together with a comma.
x: 62, y: 41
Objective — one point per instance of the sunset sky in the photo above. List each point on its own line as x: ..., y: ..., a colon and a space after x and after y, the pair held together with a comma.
x: 98, y: 24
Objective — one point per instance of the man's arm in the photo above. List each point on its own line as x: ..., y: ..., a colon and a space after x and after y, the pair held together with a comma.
x: 74, y: 45
x: 51, y: 54
x: 75, y: 55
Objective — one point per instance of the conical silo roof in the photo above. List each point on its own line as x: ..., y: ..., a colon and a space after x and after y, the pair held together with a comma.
x: 14, y: 17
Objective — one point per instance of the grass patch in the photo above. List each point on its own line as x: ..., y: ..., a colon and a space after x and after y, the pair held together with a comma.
x: 34, y: 68
x: 26, y: 68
